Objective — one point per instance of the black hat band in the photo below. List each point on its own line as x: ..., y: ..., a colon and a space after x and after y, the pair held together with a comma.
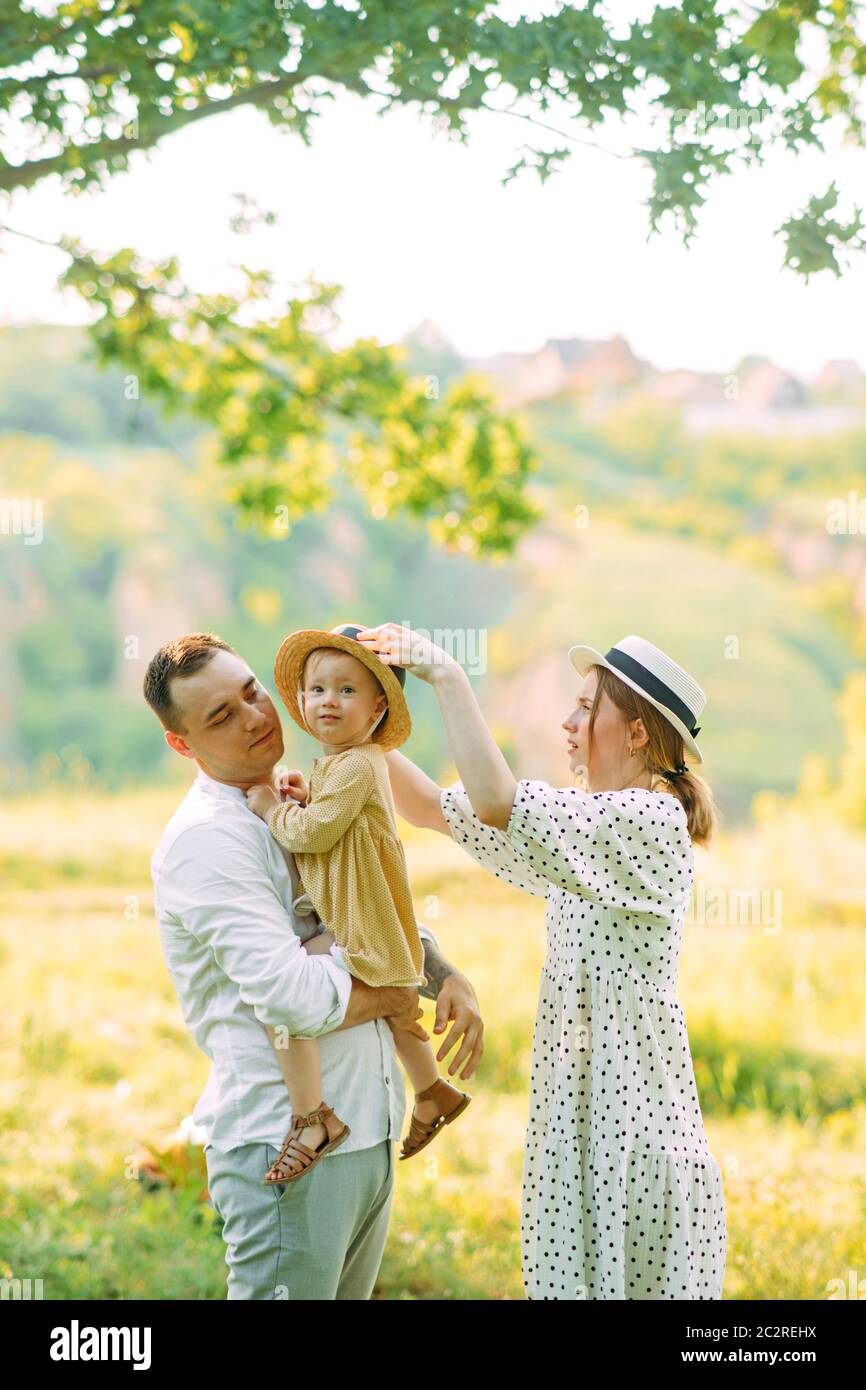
x: 653, y: 686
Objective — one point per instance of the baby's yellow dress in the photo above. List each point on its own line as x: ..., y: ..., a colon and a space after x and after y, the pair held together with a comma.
x: 353, y: 866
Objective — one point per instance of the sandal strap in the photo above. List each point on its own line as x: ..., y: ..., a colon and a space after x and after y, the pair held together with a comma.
x: 446, y: 1096
x: 323, y: 1115
x: 314, y: 1117
x: 422, y: 1129
x: 294, y: 1157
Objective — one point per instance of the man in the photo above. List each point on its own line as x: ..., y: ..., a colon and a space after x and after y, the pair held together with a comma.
x: 224, y: 895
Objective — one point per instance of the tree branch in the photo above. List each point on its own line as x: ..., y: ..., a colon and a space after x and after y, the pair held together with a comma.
x: 25, y: 175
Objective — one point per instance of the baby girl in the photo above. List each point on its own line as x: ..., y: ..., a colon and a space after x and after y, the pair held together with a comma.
x: 342, y: 832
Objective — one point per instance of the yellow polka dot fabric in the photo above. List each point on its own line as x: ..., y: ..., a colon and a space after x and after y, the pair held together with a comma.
x: 353, y: 866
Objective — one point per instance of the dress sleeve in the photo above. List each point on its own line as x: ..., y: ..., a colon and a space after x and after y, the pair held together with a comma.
x: 347, y: 784
x: 490, y: 846
x: 622, y: 849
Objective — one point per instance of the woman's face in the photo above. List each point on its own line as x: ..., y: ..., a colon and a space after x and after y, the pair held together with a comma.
x: 608, y: 765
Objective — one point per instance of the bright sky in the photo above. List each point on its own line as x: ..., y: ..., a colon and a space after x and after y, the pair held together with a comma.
x: 416, y: 226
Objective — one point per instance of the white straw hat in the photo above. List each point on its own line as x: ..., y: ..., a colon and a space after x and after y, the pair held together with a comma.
x: 653, y: 674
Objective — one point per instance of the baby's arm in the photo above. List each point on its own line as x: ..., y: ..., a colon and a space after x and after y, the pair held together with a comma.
x: 262, y: 799
x: 346, y: 788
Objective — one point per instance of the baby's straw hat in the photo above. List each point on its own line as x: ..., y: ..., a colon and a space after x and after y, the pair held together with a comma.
x: 289, y: 664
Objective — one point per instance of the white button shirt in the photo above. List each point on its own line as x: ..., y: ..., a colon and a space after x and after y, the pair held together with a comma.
x: 224, y: 893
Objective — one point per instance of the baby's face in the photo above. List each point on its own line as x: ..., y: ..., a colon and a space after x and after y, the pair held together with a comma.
x: 342, y: 698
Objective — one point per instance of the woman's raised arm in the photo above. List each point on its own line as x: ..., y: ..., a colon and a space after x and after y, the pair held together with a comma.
x: 416, y: 795
x: 488, y: 780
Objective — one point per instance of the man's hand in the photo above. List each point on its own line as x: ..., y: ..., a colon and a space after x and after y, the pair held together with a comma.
x: 408, y: 1012
x: 397, y: 1003
x: 262, y: 800
x: 456, y: 1003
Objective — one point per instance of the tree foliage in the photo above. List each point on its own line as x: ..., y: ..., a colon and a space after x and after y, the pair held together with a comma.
x: 275, y: 391
x: 87, y: 85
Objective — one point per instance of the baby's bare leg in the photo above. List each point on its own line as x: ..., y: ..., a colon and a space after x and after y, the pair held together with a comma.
x: 301, y: 1066
x: 300, y: 1061
x: 419, y: 1059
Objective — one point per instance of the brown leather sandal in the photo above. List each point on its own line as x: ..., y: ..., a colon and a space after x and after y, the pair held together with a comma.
x: 294, y: 1158
x: 451, y: 1101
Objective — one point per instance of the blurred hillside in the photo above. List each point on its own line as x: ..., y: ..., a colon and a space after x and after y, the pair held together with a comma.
x: 755, y: 395
x: 713, y: 545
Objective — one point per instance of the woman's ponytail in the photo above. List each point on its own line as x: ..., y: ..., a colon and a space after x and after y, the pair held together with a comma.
x: 663, y: 756
x: 696, y: 797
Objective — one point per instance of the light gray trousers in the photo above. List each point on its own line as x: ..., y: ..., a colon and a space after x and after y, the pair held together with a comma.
x: 320, y: 1237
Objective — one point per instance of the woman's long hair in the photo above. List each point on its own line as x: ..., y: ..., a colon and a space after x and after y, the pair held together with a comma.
x: 664, y: 750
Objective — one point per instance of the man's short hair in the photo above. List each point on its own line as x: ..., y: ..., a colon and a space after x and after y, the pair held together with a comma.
x: 182, y: 657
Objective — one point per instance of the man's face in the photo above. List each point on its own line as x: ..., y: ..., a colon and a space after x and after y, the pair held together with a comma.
x: 230, y: 725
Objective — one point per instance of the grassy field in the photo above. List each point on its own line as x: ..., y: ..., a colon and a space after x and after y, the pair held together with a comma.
x: 97, y: 1065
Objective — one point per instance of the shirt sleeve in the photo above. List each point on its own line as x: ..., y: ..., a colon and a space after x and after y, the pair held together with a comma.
x: 426, y: 934
x: 219, y: 888
x: 621, y: 849
x: 346, y: 787
x: 490, y: 846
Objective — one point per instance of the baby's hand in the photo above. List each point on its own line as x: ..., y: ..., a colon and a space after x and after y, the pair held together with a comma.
x: 262, y: 800
x: 294, y: 785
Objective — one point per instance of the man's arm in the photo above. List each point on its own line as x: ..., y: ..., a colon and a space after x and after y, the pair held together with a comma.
x: 399, y: 1003
x: 218, y: 885
x: 436, y: 967
x: 456, y: 1003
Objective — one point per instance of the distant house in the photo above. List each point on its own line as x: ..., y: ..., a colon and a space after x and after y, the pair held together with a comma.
x: 841, y: 381
x: 757, y: 395
x: 610, y: 363
x: 768, y: 387
x: 597, y: 370
x: 683, y: 387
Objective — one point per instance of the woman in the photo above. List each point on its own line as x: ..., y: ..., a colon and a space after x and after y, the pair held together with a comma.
x: 622, y: 1198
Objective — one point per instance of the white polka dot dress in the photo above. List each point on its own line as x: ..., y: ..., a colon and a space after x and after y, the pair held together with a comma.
x: 622, y: 1198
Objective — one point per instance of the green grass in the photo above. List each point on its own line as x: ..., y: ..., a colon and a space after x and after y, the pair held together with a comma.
x: 98, y: 1066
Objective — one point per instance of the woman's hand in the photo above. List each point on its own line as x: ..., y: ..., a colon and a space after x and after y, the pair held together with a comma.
x: 403, y: 646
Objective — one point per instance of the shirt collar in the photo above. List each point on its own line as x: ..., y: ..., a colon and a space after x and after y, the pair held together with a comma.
x: 212, y: 787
